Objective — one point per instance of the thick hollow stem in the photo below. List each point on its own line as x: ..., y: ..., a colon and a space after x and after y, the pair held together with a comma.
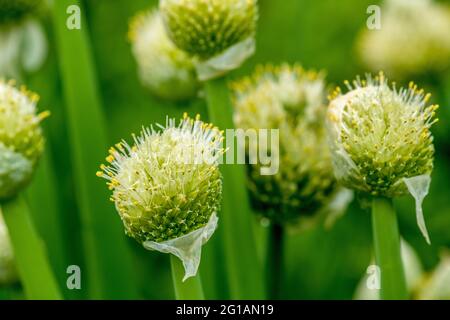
x: 387, y: 250
x: 244, y: 271
x: 275, y: 261
x: 191, y: 289
x: 32, y: 263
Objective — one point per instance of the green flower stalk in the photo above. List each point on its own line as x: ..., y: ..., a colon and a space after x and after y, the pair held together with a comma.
x: 23, y: 46
x: 167, y: 187
x: 292, y: 100
x: 21, y: 145
x: 416, y: 29
x: 21, y: 139
x: 168, y: 72
x: 382, y: 146
x: 8, y: 271
x: 219, y: 32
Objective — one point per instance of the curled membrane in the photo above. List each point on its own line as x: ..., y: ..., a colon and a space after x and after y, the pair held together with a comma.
x: 418, y: 187
x: 187, y: 248
x: 230, y: 59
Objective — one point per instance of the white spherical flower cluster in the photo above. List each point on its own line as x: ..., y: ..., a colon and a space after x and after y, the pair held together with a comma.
x: 168, y: 183
x: 292, y: 100
x: 381, y: 141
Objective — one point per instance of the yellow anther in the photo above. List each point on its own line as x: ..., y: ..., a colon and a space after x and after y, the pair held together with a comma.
x: 44, y: 114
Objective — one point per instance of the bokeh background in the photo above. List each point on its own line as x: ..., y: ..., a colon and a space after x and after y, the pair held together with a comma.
x: 319, y: 263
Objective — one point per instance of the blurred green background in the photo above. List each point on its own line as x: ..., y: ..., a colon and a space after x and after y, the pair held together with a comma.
x: 320, y: 264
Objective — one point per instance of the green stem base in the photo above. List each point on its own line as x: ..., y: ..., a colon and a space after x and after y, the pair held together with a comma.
x: 31, y: 259
x: 387, y: 250
x: 191, y: 289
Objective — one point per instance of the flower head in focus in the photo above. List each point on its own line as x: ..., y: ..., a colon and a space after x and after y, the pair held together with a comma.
x: 381, y: 141
x: 8, y: 272
x: 166, y: 70
x: 382, y: 134
x: 219, y: 32
x: 414, y: 39
x: 21, y: 139
x: 292, y: 100
x: 168, y: 183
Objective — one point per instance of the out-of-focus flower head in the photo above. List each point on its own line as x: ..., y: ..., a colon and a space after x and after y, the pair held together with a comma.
x: 21, y: 139
x: 414, y: 39
x: 292, y: 100
x: 167, y: 71
x: 23, y: 45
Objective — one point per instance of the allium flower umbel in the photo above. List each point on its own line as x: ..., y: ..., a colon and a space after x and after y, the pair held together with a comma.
x: 167, y: 71
x: 161, y: 186
x: 21, y: 139
x: 292, y: 100
x: 8, y: 272
x: 167, y: 187
x: 380, y: 139
x: 413, y: 39
x: 13, y: 11
x: 219, y: 32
